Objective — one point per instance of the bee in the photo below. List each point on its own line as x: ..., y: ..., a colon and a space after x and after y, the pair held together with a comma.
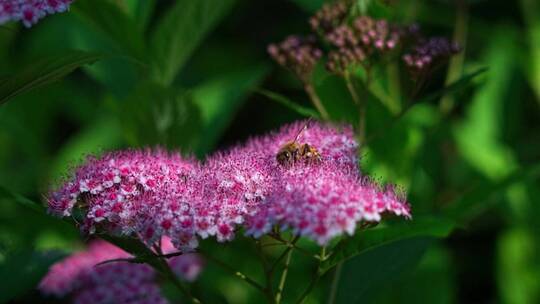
x: 293, y: 151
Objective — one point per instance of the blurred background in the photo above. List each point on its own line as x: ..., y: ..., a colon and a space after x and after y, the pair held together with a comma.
x: 186, y: 75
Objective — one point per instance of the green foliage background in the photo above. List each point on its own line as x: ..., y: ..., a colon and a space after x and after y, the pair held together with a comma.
x: 194, y: 75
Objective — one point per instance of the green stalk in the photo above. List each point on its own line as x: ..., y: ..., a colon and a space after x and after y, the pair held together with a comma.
x: 241, y: 276
x: 359, y: 104
x: 315, y: 278
x: 310, y: 90
x: 335, y: 283
x: 283, y: 276
x: 455, y: 68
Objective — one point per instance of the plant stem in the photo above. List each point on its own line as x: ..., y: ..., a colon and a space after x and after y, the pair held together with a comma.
x: 335, y: 283
x: 283, y: 276
x: 310, y: 90
x: 162, y: 267
x: 455, y: 66
x: 315, y: 278
x: 293, y: 246
x: 360, y: 105
x: 239, y: 275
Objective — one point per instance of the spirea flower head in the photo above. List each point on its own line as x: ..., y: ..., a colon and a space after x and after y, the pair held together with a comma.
x: 119, y: 191
x: 152, y: 195
x: 82, y: 277
x: 118, y: 282
x: 323, y: 201
x: 427, y: 53
x: 234, y: 185
x: 299, y: 54
x: 329, y: 16
x: 30, y: 11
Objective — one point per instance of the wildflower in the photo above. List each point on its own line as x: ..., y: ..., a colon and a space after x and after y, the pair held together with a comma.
x: 234, y: 185
x: 427, y: 53
x: 299, y: 54
x: 30, y: 11
x: 119, y: 191
x: 80, y: 276
x: 153, y: 195
x: 375, y: 34
x: 329, y: 16
x: 324, y: 201
x: 115, y: 282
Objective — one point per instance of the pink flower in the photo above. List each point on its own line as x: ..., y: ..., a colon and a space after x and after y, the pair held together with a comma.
x: 30, y: 11
x: 116, y: 282
x: 322, y: 202
x: 121, y: 191
x: 153, y: 195
x: 79, y: 272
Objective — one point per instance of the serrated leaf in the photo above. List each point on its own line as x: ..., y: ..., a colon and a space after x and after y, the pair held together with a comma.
x: 43, y: 72
x: 21, y: 271
x: 180, y: 31
x: 372, y: 238
x: 304, y: 111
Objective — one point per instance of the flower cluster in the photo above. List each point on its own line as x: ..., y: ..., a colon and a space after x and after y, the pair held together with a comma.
x: 362, y: 41
x: 30, y: 11
x: 81, y: 276
x: 120, y: 191
x: 155, y: 194
x: 300, y: 54
x: 428, y: 52
x: 329, y: 16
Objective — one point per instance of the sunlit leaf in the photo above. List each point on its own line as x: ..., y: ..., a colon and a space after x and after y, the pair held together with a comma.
x: 43, y: 72
x: 473, y: 202
x: 180, y: 31
x: 219, y: 99
x: 372, y: 238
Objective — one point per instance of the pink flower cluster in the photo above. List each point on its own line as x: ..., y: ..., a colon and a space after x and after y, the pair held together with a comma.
x: 30, y: 11
x: 152, y: 194
x: 79, y: 277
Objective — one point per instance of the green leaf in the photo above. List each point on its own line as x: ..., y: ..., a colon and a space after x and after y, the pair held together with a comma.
x: 44, y: 71
x: 101, y: 134
x: 154, y: 115
x: 473, y: 202
x: 220, y: 98
x: 304, y: 111
x: 140, y: 252
x: 517, y: 276
x: 309, y: 6
x: 108, y: 19
x: 362, y: 277
x: 452, y: 88
x: 180, y: 31
x: 5, y: 194
x: 21, y: 271
x: 373, y: 238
